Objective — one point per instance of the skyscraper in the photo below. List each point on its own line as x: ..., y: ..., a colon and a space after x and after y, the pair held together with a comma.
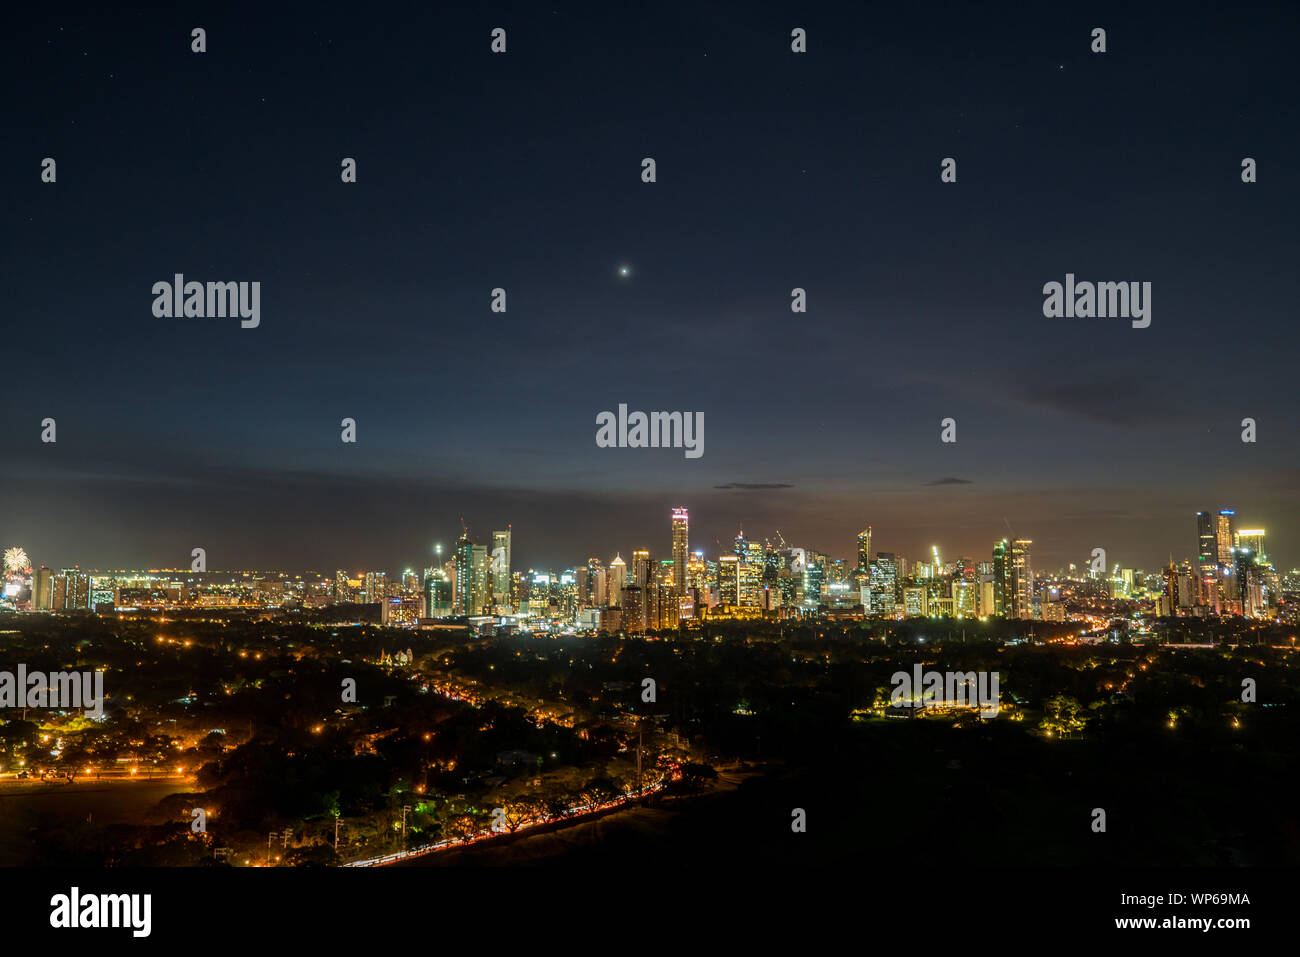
x: 437, y: 594
x: 641, y: 573
x: 617, y: 580
x: 1223, y: 535
x: 464, y: 556
x: 681, y: 549
x: 884, y: 584
x: 1001, y: 580
x: 729, y: 579
x: 1252, y: 538
x: 43, y: 589
x: 501, y: 566
x: 1207, y: 549
x: 1022, y: 580
x: 480, y: 581
x: 864, y: 549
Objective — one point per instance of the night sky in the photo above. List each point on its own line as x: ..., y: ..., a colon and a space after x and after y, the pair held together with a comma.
x: 523, y: 171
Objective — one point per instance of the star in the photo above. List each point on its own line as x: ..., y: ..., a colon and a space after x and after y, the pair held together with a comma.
x: 625, y: 271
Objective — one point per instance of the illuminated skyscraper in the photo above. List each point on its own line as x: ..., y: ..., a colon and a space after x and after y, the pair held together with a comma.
x: 864, y: 548
x: 1223, y: 535
x: 464, y: 556
x: 1207, y: 549
x: 633, y: 608
x: 480, y: 580
x: 617, y: 580
x: 681, y: 549
x: 1252, y: 538
x: 501, y: 566
x: 376, y: 587
x: 641, y: 573
x: 884, y: 584
x: 1001, y: 580
x: 43, y: 589
x: 437, y: 594
x: 729, y: 579
x: 1022, y: 580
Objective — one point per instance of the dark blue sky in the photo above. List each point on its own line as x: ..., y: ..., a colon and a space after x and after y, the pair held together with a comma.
x: 775, y: 170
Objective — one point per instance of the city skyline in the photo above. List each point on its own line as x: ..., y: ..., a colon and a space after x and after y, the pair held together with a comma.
x: 924, y: 298
x: 720, y: 545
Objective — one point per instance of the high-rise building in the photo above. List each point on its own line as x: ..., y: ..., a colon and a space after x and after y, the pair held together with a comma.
x: 740, y: 546
x: 814, y: 575
x: 1207, y: 548
x: 501, y: 566
x: 1223, y: 535
x: 617, y: 580
x: 438, y: 602
x: 1022, y: 579
x: 751, y: 584
x: 1252, y: 538
x: 1001, y: 580
x: 681, y: 549
x: 641, y: 574
x: 729, y: 579
x: 376, y: 587
x: 71, y: 588
x: 633, y: 608
x: 864, y: 548
x: 464, y: 557
x: 43, y: 589
x: 480, y: 581
x: 884, y: 584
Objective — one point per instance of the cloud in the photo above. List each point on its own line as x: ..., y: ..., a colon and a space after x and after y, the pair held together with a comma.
x: 754, y: 486
x: 951, y: 481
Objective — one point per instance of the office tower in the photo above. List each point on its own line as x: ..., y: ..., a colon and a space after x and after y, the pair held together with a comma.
x: 864, y: 548
x: 480, y: 580
x: 591, y: 583
x: 1223, y: 535
x: 565, y: 592
x: 617, y: 580
x: 71, y: 589
x: 1022, y: 579
x: 965, y: 595
x: 501, y: 566
x: 681, y: 548
x: 633, y: 608
x: 464, y: 558
x: 641, y: 574
x: 43, y: 589
x: 697, y: 573
x: 1001, y: 580
x: 740, y: 546
x: 751, y: 584
x: 539, y: 595
x: 884, y: 584
x: 376, y: 587
x: 438, y: 600
x: 729, y: 579
x: 814, y: 575
x: 1207, y: 548
x: 1252, y: 538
